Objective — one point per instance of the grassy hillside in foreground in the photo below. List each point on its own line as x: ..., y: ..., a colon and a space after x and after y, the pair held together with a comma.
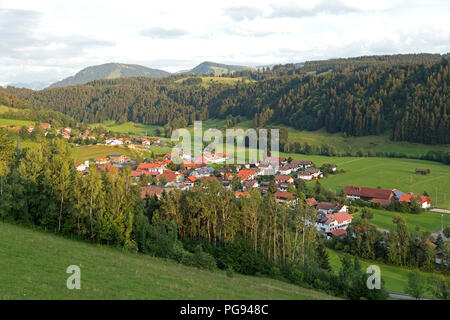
x: 34, y: 266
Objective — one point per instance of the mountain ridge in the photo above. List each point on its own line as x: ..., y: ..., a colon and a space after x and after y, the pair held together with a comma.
x: 111, y: 70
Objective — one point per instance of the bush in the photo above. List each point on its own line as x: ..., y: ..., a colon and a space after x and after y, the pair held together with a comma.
x: 204, y: 260
x: 230, y: 272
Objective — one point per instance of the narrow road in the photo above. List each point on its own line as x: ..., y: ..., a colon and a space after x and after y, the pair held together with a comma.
x: 440, y: 210
x: 403, y: 296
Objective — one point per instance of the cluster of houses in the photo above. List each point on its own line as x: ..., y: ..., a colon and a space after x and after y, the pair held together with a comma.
x: 195, y: 169
x: 45, y: 126
x: 112, y: 162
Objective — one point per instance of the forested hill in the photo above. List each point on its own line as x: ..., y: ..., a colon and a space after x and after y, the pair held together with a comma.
x: 110, y: 71
x: 217, y: 69
x: 411, y: 101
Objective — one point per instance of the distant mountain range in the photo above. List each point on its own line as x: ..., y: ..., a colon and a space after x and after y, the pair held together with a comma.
x: 36, y: 85
x: 121, y: 70
x: 110, y: 71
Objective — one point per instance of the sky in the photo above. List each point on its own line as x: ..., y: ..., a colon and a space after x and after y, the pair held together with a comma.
x: 48, y: 40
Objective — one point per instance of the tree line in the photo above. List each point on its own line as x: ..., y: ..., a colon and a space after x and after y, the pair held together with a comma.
x: 408, y: 100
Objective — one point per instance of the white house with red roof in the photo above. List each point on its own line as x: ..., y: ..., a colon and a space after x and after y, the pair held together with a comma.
x: 328, y: 223
x: 153, y: 167
x: 423, y: 201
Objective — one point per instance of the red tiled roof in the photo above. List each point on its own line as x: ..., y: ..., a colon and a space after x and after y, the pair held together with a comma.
x: 368, y: 192
x: 406, y: 197
x: 311, y: 202
x: 171, y: 176
x: 281, y: 177
x: 340, y: 216
x: 150, y: 191
x: 241, y: 193
x: 245, y: 174
x: 338, y: 232
x: 152, y: 165
x: 326, y: 205
x: 285, y: 195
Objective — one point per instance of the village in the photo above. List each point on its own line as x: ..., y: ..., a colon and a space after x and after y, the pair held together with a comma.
x: 333, y: 217
x: 276, y: 175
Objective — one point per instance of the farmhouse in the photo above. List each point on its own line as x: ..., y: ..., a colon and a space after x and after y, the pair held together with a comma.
x: 154, y: 167
x: 369, y: 194
x: 285, y: 170
x: 314, y: 172
x: 285, y: 197
x: 423, y: 201
x: 330, y: 222
x: 246, y: 174
x: 82, y: 166
x: 304, y: 175
x: 119, y: 159
x: 280, y: 178
x: 329, y: 207
x: 305, y: 164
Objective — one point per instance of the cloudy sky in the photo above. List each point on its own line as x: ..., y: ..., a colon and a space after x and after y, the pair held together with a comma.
x: 45, y: 40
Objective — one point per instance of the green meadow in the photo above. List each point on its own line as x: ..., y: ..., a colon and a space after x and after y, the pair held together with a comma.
x: 34, y: 264
x: 380, y: 143
x: 101, y: 151
x: 131, y: 128
x: 15, y: 122
x: 207, y: 81
x: 395, y: 278
x: 387, y: 173
x: 427, y: 221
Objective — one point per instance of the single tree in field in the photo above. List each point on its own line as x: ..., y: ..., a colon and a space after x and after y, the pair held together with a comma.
x: 416, y: 285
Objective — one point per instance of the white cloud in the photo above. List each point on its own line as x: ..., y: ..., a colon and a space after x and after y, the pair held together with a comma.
x: 45, y: 39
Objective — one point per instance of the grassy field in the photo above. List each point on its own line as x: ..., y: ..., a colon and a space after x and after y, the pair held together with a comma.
x: 395, y: 278
x: 427, y: 221
x: 34, y: 266
x: 100, y: 151
x: 131, y: 128
x: 15, y: 122
x: 380, y: 143
x: 208, y: 81
x: 91, y: 152
x: 388, y: 173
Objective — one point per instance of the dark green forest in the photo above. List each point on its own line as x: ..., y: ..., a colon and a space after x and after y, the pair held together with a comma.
x: 409, y: 100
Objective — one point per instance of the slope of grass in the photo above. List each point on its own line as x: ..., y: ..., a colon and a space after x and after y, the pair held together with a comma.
x: 381, y: 143
x: 427, y: 221
x: 207, y: 81
x: 15, y: 122
x: 130, y: 128
x: 98, y: 151
x: 34, y: 266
